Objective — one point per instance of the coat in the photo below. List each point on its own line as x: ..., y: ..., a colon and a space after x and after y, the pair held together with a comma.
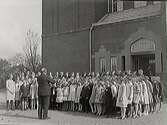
x: 72, y: 93
x: 145, y: 93
x: 150, y: 91
x: 122, y: 100
x: 24, y: 90
x: 136, y: 93
x: 43, y: 85
x: 17, y: 91
x: 10, y: 87
x: 99, y: 95
x: 93, y: 94
x: 65, y: 93
x: 86, y: 93
x: 59, y: 98
x: 129, y: 92
x: 78, y: 93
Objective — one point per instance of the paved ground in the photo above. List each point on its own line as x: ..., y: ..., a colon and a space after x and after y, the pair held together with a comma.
x: 71, y: 118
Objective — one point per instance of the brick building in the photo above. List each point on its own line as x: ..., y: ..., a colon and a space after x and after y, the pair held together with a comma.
x: 104, y: 35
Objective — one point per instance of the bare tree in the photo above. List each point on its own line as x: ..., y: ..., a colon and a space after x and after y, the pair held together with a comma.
x: 31, y: 50
x: 18, y: 59
x: 4, y: 71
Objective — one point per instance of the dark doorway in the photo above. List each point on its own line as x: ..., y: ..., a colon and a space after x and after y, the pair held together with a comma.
x: 144, y: 62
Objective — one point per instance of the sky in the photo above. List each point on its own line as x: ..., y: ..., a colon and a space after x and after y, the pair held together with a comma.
x: 16, y: 17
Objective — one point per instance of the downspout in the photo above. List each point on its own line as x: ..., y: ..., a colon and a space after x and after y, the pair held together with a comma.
x: 90, y: 44
x: 90, y: 48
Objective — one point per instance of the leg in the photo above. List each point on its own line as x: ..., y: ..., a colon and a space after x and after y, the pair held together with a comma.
x: 123, y: 112
x: 31, y: 103
x: 91, y: 106
x: 100, y: 108
x: 40, y: 108
x: 135, y: 110
x: 13, y: 104
x: 7, y: 104
x: 45, y: 106
x: 37, y: 103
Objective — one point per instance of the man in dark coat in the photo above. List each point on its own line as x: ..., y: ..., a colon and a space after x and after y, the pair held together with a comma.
x: 85, y: 96
x: 43, y: 94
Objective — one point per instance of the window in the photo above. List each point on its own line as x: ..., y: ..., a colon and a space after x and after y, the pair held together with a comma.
x: 113, y: 63
x: 114, y: 5
x: 138, y: 4
x: 128, y: 5
x: 102, y: 64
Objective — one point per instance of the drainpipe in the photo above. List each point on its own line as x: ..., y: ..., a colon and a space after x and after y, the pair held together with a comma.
x: 90, y: 48
x: 108, y: 5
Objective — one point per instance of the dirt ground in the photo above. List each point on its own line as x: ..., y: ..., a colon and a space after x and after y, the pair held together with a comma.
x: 72, y: 118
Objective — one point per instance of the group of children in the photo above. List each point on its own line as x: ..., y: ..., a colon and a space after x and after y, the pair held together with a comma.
x: 22, y: 93
x: 125, y: 94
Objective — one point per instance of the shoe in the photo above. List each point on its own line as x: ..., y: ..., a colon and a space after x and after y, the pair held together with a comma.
x: 39, y: 117
x: 46, y: 118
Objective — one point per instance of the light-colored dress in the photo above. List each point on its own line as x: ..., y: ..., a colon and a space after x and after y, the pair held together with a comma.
x: 129, y: 92
x: 150, y: 91
x: 145, y: 93
x: 17, y: 91
x: 136, y: 93
x: 32, y: 91
x: 99, y: 94
x: 78, y: 93
x: 141, y: 101
x: 72, y: 93
x: 65, y: 93
x: 93, y: 95
x: 114, y: 91
x: 10, y: 90
x: 59, y: 98
x: 121, y: 100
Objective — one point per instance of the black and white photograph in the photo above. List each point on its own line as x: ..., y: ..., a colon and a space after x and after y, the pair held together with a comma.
x: 83, y: 62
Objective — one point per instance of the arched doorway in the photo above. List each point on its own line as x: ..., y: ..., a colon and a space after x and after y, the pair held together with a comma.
x: 143, y: 45
x: 143, y: 56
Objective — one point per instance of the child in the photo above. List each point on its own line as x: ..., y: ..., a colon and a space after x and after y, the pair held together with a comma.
x: 145, y: 98
x: 129, y: 96
x: 32, y: 91
x: 59, y: 98
x: 77, y: 98
x: 98, y: 98
x: 10, y: 86
x: 65, y: 96
x: 24, y: 94
x: 17, y: 93
x: 122, y: 100
x: 72, y: 87
x: 136, y: 96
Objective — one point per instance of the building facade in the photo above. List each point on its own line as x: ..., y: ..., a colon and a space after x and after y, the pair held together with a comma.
x: 104, y: 35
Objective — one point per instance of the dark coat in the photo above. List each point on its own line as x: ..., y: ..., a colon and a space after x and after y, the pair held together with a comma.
x: 24, y: 91
x: 86, y: 92
x: 43, y: 85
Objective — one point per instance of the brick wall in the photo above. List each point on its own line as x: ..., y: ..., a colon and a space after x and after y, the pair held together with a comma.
x: 67, y: 52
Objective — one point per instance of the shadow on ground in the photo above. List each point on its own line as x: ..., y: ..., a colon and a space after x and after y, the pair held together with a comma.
x: 89, y: 115
x: 17, y: 116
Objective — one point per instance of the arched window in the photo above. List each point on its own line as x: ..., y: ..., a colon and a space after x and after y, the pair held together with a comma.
x: 102, y: 64
x: 113, y: 63
x: 142, y: 45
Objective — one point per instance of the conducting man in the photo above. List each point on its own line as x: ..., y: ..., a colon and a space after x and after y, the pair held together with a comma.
x: 43, y: 94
